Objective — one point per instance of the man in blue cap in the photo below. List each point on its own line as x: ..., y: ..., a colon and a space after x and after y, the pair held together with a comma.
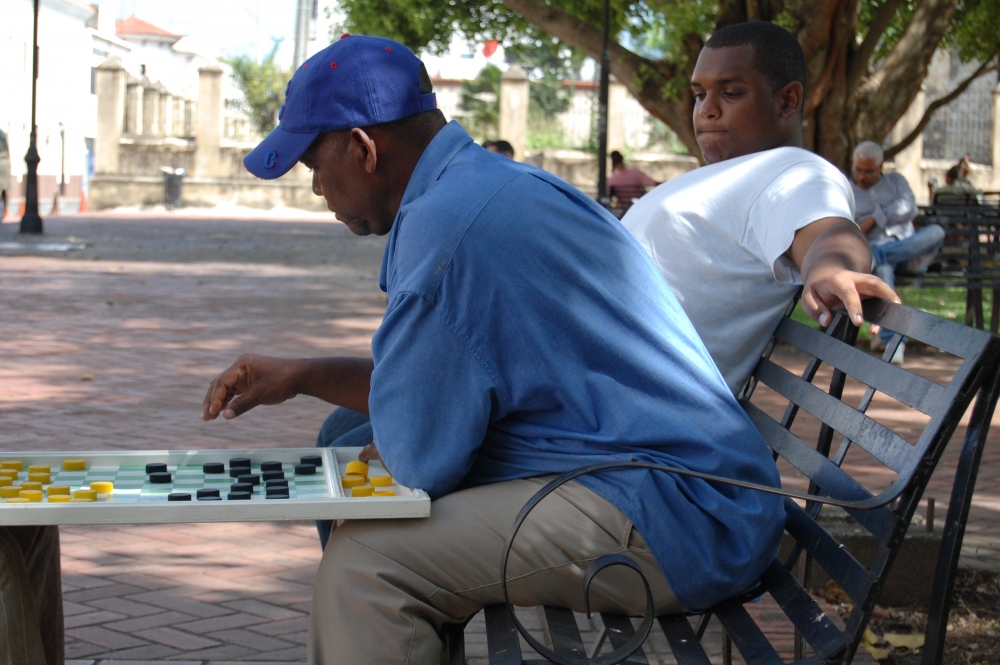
x: 527, y: 333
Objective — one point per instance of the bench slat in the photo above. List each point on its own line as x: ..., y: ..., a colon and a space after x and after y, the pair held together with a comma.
x: 839, y: 564
x: 821, y: 633
x: 827, y: 475
x: 746, y: 635
x: 503, y: 643
x: 885, y: 445
x: 619, y: 629
x: 563, y: 631
x: 683, y: 642
x: 910, y: 389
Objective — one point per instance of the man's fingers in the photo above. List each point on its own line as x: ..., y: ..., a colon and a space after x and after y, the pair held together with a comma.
x: 369, y: 453
x: 241, y: 405
x: 876, y: 288
x: 815, y: 308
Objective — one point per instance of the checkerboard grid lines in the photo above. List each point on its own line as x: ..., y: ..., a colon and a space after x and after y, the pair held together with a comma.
x: 128, y: 479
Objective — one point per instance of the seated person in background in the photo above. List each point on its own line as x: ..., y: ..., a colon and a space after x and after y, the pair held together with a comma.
x: 526, y: 334
x: 626, y: 184
x: 956, y: 191
x: 500, y: 147
x: 31, y: 609
x: 885, y: 208
x: 736, y: 238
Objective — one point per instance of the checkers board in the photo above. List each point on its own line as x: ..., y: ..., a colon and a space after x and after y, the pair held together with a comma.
x: 137, y: 500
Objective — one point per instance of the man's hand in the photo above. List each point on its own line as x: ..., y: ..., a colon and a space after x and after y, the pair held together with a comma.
x: 251, y: 381
x: 867, y: 224
x: 835, y: 261
x: 827, y: 286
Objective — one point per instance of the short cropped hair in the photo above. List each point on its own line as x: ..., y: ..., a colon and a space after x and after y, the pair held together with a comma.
x: 777, y: 54
x: 504, y: 147
x: 616, y: 158
x: 954, y: 172
x: 869, y: 150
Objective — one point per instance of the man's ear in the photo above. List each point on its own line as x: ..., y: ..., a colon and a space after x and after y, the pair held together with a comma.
x: 365, y: 142
x: 790, y: 99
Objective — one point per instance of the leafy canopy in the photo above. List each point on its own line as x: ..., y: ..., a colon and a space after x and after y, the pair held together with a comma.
x: 263, y: 87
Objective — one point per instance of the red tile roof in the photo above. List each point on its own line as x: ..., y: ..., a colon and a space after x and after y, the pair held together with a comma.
x: 136, y: 26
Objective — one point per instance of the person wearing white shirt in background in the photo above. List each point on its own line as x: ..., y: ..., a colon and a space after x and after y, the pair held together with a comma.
x: 736, y: 238
x: 885, y: 209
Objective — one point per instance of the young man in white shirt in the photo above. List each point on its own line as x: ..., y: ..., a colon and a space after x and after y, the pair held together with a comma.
x: 736, y: 238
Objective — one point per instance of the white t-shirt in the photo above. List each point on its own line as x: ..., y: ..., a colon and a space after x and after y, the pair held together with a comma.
x: 719, y: 234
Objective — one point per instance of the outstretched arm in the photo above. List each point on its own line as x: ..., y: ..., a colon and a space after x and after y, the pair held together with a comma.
x: 254, y: 380
x: 835, y: 261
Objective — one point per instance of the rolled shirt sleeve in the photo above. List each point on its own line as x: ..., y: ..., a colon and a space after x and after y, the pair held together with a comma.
x: 430, y: 399
x: 902, y: 209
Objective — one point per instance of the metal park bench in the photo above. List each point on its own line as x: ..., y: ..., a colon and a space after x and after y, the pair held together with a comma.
x: 969, y: 258
x: 862, y: 444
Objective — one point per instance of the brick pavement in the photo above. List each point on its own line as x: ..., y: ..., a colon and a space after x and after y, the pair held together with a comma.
x: 111, y: 347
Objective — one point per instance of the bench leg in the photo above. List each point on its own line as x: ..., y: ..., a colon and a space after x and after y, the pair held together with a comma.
x: 954, y: 528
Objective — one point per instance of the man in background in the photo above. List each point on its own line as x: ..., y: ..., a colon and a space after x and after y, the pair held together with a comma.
x: 626, y: 184
x: 884, y: 210
x: 957, y: 191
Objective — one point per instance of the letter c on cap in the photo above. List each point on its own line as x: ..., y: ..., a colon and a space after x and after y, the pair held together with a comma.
x: 270, y: 159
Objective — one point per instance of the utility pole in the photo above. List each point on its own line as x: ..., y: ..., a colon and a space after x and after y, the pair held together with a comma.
x: 602, y: 112
x: 303, y: 10
x: 32, y: 221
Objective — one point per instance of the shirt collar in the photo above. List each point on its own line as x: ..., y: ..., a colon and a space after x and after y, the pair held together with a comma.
x: 432, y: 163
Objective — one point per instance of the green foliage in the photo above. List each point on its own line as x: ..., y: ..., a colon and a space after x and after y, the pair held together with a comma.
x: 661, y: 137
x: 972, y: 33
x: 263, y: 86
x: 481, y: 103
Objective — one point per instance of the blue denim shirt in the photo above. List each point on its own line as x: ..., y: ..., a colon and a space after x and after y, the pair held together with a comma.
x: 528, y: 333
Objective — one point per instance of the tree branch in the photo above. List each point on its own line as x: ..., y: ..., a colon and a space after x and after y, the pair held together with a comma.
x: 646, y: 79
x: 883, y: 97
x: 859, y: 59
x: 983, y: 69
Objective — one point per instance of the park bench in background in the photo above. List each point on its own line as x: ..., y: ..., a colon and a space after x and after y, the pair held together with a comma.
x: 970, y: 257
x: 848, y: 441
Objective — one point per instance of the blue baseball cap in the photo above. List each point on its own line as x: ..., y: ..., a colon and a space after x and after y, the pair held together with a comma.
x: 358, y: 81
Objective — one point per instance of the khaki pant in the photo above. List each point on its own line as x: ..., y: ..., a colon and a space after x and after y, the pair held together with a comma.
x: 385, y: 588
x: 31, y: 612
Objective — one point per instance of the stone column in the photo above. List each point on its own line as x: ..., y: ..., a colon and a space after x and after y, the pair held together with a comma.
x: 190, y: 118
x: 110, y: 84
x: 208, y: 154
x: 514, y: 109
x: 995, y: 138
x: 150, y: 107
x: 133, y: 113
x: 908, y: 160
x: 617, y: 99
x: 166, y: 112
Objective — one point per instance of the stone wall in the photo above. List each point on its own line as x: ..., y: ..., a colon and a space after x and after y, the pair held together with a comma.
x: 108, y: 191
x: 579, y: 168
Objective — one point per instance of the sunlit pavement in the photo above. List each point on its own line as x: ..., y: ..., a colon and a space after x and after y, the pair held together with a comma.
x: 110, y: 347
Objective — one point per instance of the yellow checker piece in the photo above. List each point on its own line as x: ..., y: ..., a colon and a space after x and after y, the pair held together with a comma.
x: 381, y: 481
x: 357, y: 468
x: 14, y: 464
x: 31, y: 485
x: 59, y: 490
x: 11, y: 492
x: 17, y: 499
x: 85, y: 494
x: 102, y: 486
x: 385, y: 493
x: 365, y: 490
x: 39, y: 468
x: 31, y: 495
x: 351, y: 480
x: 43, y: 478
x: 60, y: 498
x: 74, y: 465
x: 8, y: 473
x: 6, y: 482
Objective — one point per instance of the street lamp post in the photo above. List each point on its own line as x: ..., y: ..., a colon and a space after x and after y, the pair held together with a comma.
x: 62, y: 164
x: 602, y: 112
x: 32, y: 221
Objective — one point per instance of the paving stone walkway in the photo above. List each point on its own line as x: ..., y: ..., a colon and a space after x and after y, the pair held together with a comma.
x: 110, y: 347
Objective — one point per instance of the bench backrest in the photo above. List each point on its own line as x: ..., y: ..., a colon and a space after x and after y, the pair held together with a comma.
x: 878, y: 451
x: 970, y: 256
